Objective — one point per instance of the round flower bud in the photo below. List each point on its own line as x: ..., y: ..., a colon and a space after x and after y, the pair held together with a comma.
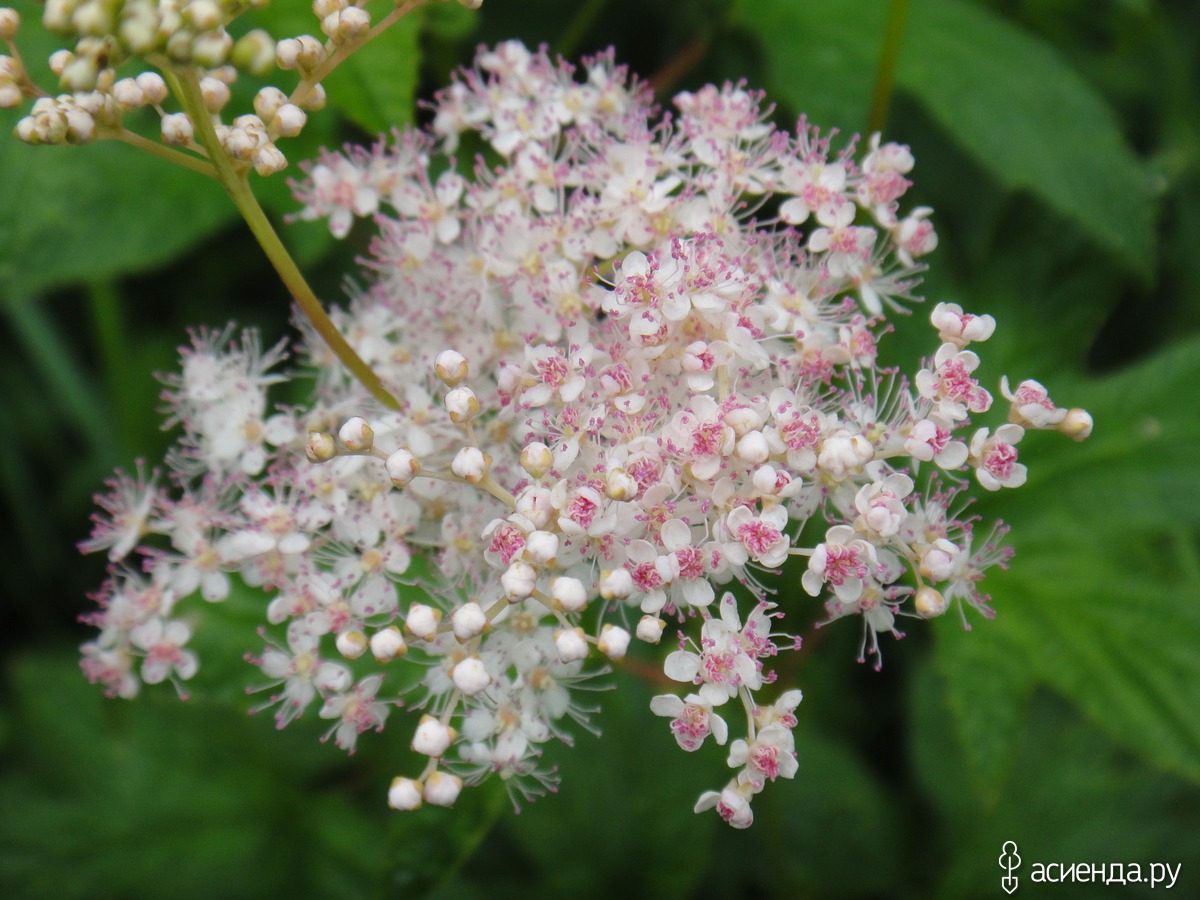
x: 929, y: 603
x: 432, y: 738
x: 387, y: 644
x: 267, y: 101
x: 153, y: 87
x: 320, y: 447
x: 212, y: 48
x: 616, y: 584
x: 59, y: 60
x: 536, y: 459
x: 215, y: 93
x: 442, y: 788
x: 1077, y: 424
x: 451, y: 367
x: 81, y: 127
x: 254, y: 52
x: 471, y: 464
x: 470, y: 676
x: 405, y: 794
x: 402, y: 467
x: 468, y: 621
x: 269, y: 159
x: 202, y: 15
x: 352, y: 644
x: 177, y: 129
x: 571, y: 644
x: 289, y: 120
x: 519, y: 581
x: 614, y: 641
x: 10, y: 21
x: 650, y: 629
x: 357, y: 435
x: 569, y: 593
x: 422, y: 621
x: 287, y: 53
x: 79, y: 74
x: 462, y: 405
x: 534, y: 504
x: 752, y: 448
x: 743, y: 420
x: 619, y: 484
x: 128, y: 94
x: 541, y: 547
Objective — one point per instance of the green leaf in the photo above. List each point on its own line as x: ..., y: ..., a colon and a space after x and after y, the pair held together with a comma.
x: 77, y: 213
x: 1007, y: 98
x: 821, y: 56
x: 1072, y: 796
x: 1100, y: 601
x: 1030, y: 120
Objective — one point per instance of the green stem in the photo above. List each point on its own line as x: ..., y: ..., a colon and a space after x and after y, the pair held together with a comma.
x: 200, y: 166
x: 886, y: 76
x: 238, y: 188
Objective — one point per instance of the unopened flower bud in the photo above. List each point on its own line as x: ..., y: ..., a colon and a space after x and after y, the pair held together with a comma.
x: 470, y: 676
x: 462, y: 405
x: 267, y: 101
x: 1077, y: 424
x: 81, y: 127
x: 402, y: 467
x: 351, y: 644
x: 405, y: 793
x: 614, y: 641
x: 289, y: 120
x: 10, y: 21
x: 615, y: 584
x: 571, y: 644
x: 519, y: 581
x: 177, y: 129
x: 254, y: 52
x: 451, y: 367
x: 153, y: 87
x: 202, y: 15
x: 929, y: 603
x: 541, y: 548
x: 387, y: 644
x: 619, y: 484
x: 432, y: 738
x: 743, y: 420
x: 468, y: 621
x: 442, y: 788
x: 534, y: 504
x: 215, y: 93
x: 357, y: 435
x: 315, y: 98
x: 471, y: 464
x: 536, y: 459
x: 212, y: 48
x: 268, y: 159
x: 752, y: 448
x: 569, y: 593
x: 422, y: 621
x: 650, y: 629
x: 320, y: 447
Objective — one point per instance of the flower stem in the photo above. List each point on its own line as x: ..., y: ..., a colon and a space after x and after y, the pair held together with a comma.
x: 886, y: 76
x: 238, y: 188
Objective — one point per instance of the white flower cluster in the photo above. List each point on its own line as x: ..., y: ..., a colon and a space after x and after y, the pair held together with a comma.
x: 623, y: 401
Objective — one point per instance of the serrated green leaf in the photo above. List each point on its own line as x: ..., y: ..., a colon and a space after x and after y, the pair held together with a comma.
x: 1030, y: 120
x: 1096, y: 603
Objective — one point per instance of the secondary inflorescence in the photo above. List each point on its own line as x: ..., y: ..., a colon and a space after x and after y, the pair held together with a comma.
x: 637, y: 360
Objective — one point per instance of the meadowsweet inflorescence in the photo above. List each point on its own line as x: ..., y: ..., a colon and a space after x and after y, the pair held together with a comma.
x: 624, y: 400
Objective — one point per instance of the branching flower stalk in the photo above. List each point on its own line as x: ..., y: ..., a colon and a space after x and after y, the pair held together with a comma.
x: 639, y: 377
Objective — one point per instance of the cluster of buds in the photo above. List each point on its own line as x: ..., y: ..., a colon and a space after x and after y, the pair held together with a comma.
x: 183, y: 40
x: 626, y: 405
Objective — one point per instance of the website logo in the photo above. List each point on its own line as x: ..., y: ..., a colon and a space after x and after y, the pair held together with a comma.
x: 1009, y: 861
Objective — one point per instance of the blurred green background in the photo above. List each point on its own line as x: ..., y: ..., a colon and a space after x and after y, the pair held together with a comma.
x: 1059, y: 143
